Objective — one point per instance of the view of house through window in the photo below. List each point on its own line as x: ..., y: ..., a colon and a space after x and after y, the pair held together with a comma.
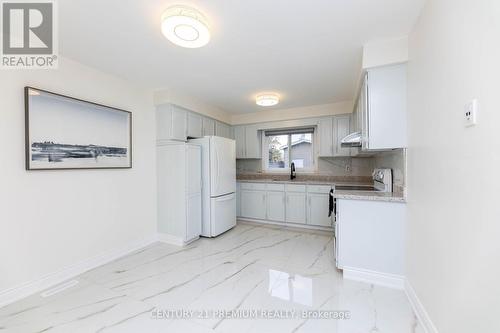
x: 285, y: 148
x: 277, y: 152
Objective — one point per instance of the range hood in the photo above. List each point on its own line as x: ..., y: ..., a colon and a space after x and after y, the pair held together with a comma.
x: 353, y: 140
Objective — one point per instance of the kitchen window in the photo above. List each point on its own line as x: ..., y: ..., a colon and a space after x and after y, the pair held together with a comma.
x: 284, y: 147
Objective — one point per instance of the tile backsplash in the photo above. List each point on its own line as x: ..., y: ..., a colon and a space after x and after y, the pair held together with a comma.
x: 395, y: 160
x: 338, y: 166
x: 347, y: 166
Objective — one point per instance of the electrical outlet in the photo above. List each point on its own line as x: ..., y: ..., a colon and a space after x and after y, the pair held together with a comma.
x: 471, y: 113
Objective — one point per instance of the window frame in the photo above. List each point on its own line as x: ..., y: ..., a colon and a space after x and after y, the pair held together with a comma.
x: 265, y: 156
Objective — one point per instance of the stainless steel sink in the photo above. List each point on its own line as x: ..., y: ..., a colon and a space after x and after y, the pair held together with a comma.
x: 355, y: 188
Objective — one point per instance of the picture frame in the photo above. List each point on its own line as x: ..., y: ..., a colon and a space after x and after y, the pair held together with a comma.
x: 67, y: 133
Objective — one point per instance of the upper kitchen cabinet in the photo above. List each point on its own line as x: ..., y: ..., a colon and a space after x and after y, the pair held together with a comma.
x: 171, y: 123
x: 331, y: 130
x: 383, y: 107
x: 194, y: 125
x: 355, y: 123
x: 253, y: 142
x: 208, y: 126
x: 341, y: 128
x: 223, y: 130
x: 239, y: 137
x: 325, y: 133
x: 176, y: 123
x: 248, y: 141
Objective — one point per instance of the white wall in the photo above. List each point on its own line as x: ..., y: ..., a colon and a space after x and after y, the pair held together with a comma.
x: 51, y: 219
x: 453, y: 174
x: 293, y: 113
x: 385, y: 52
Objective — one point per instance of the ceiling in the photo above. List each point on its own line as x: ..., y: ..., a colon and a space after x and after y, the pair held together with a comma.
x: 308, y: 51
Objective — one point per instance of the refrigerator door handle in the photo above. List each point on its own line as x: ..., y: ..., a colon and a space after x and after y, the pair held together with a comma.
x: 216, y: 185
x: 225, y: 197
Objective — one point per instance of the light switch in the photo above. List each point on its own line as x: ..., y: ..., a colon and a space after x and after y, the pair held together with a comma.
x: 471, y: 113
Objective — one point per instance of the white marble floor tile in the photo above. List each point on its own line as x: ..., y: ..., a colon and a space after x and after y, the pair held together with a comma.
x: 210, y: 285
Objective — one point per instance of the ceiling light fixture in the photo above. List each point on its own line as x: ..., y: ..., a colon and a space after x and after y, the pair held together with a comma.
x: 185, y: 26
x: 267, y: 99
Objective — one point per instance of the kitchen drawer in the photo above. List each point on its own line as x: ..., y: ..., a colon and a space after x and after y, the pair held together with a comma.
x: 318, y: 188
x: 276, y: 187
x: 295, y: 188
x: 253, y: 186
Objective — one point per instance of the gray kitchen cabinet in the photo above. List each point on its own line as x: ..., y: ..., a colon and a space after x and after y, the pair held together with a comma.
x: 253, y: 204
x: 208, y: 126
x: 223, y: 130
x: 341, y: 128
x: 276, y: 206
x: 171, y: 123
x: 252, y: 142
x: 239, y: 137
x: 383, y: 106
x: 355, y: 125
x: 295, y: 207
x: 370, y: 237
x: 274, y: 202
x: 248, y: 141
x: 238, y: 199
x: 194, y: 125
x: 317, y: 208
x: 325, y: 136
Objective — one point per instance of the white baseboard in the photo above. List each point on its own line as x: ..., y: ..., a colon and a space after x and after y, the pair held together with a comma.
x: 174, y: 240
x: 381, y: 279
x: 422, y: 315
x: 287, y: 225
x: 26, y: 289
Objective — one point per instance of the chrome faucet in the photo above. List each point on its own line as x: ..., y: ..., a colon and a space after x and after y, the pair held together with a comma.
x: 292, y: 171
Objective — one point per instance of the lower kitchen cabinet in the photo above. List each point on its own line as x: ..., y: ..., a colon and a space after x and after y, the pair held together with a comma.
x: 276, y: 206
x: 317, y: 209
x: 295, y: 207
x: 238, y: 199
x: 284, y: 203
x: 370, y: 238
x: 253, y: 204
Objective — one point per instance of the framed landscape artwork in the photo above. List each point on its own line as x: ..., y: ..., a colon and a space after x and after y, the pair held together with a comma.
x: 69, y: 133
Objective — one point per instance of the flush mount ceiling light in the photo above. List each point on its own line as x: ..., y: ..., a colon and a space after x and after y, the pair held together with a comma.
x: 267, y: 99
x: 185, y: 26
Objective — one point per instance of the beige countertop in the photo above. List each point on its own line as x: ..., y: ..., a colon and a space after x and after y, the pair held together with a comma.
x: 370, y: 196
x: 352, y: 195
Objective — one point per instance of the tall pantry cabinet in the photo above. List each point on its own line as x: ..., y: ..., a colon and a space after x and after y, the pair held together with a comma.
x: 179, y: 192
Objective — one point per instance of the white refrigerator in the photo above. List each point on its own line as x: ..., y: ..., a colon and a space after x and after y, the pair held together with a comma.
x: 218, y: 160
